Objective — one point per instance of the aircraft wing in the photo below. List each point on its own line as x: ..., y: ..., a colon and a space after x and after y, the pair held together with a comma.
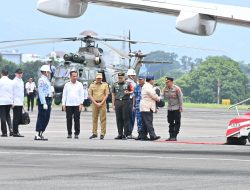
x: 193, y: 17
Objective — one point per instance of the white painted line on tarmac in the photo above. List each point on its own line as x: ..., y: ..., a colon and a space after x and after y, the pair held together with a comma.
x: 124, y: 156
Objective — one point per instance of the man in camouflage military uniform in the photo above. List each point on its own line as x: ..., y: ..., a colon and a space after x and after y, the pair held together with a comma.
x: 121, y: 91
x: 174, y: 96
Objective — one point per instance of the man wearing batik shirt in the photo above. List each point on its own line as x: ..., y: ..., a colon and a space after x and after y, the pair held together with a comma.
x: 136, y: 107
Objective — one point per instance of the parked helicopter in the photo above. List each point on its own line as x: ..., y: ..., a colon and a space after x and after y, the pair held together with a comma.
x: 89, y: 60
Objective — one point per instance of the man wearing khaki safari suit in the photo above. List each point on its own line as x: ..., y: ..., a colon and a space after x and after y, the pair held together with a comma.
x: 98, y: 93
x: 147, y: 107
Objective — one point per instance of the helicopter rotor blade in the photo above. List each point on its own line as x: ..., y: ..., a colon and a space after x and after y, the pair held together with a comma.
x: 39, y: 39
x: 176, y: 45
x: 32, y: 43
x: 156, y: 62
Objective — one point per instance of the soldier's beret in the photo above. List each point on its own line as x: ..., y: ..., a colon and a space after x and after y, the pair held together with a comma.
x: 121, y: 74
x: 141, y: 77
x: 170, y: 78
x: 150, y: 77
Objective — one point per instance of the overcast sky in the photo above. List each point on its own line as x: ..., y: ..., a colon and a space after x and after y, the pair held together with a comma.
x: 19, y: 19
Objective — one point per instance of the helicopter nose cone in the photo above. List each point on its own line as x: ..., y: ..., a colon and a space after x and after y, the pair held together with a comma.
x: 59, y: 84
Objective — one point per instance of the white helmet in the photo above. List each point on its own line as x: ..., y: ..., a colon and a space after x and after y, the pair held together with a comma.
x: 45, y: 68
x: 131, y: 72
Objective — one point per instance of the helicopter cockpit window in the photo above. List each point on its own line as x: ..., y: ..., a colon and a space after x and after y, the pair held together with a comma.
x: 92, y: 74
x: 62, y: 72
x: 80, y: 73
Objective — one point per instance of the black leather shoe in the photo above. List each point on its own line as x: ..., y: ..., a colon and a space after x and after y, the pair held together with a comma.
x: 76, y: 137
x: 102, y: 137
x: 124, y: 137
x: 11, y: 133
x: 145, y: 138
x: 43, y: 138
x: 118, y: 137
x: 4, y: 135
x: 155, y: 138
x: 17, y: 135
x: 171, y: 139
x: 92, y: 136
x: 69, y: 136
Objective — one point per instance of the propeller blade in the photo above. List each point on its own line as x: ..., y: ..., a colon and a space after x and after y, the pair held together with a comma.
x: 176, y: 45
x: 31, y: 43
x: 157, y: 62
x: 40, y: 39
x: 109, y: 39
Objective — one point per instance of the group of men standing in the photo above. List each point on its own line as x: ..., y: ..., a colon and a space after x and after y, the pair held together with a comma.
x: 144, y: 99
x: 130, y: 100
x: 12, y: 96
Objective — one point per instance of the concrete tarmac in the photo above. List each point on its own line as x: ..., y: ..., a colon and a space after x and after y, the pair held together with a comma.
x: 199, y: 160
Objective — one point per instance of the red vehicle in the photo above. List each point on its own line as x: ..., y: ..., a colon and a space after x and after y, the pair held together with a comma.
x: 238, y: 130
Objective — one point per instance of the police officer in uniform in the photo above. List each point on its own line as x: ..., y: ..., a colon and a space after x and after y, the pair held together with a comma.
x: 121, y: 91
x: 44, y: 102
x: 98, y: 93
x: 174, y: 96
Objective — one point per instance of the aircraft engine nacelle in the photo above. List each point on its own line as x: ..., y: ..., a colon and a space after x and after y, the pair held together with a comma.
x: 196, y: 23
x: 62, y: 8
x: 68, y: 57
x: 78, y: 58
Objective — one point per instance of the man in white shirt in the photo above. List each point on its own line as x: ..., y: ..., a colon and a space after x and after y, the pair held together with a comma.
x: 18, y: 102
x: 30, y: 87
x: 6, y: 99
x: 72, y: 102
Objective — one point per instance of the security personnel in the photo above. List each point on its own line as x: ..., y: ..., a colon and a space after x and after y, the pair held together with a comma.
x: 174, y: 96
x: 136, y: 106
x: 98, y: 94
x: 121, y: 91
x: 44, y: 102
x: 131, y: 78
x: 18, y: 102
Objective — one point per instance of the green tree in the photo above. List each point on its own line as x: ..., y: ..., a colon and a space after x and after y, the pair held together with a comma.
x: 8, y: 65
x: 201, y: 84
x: 31, y: 69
